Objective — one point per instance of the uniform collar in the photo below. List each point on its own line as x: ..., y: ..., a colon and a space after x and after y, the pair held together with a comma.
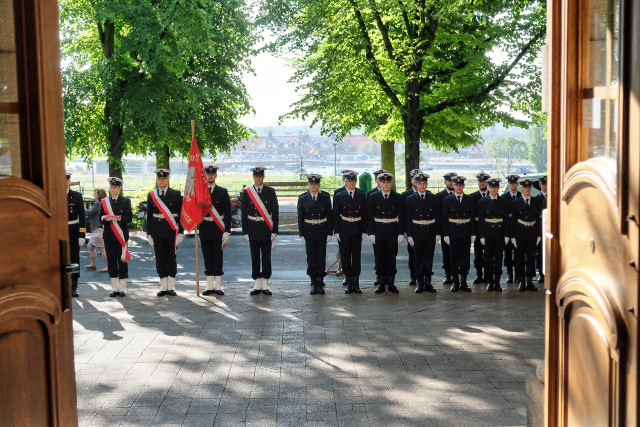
x: 211, y: 187
x: 385, y: 194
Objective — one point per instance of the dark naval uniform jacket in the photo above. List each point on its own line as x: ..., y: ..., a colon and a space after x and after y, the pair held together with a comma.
x: 405, y: 195
x: 157, y: 225
x: 76, y: 217
x: 122, y: 206
x: 345, y: 208
x: 493, y: 218
x: 259, y: 230
x: 315, y: 219
x: 422, y: 216
x: 372, y: 191
x: 391, y: 208
x: 208, y: 229
x: 525, y: 218
x: 458, y: 218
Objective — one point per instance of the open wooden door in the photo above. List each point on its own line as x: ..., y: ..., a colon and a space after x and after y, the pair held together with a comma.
x: 36, y: 339
x: 592, y: 244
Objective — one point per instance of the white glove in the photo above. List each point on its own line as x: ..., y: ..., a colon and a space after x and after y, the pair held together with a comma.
x: 537, y: 241
x: 482, y: 241
x: 273, y: 237
x: 364, y: 235
x: 81, y: 241
x: 400, y: 238
x: 246, y: 237
x: 273, y: 245
x: 513, y: 242
x: 150, y: 240
x: 473, y: 239
x: 304, y: 242
x: 337, y: 236
x: 506, y: 240
x: 447, y: 240
x: 372, y: 237
x: 329, y: 238
x: 225, y: 238
x: 438, y: 238
x: 179, y: 239
x: 410, y: 240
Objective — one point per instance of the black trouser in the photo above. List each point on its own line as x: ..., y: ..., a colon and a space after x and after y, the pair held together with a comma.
x: 526, y: 257
x: 316, y: 257
x: 539, y: 258
x: 385, y: 256
x: 74, y: 254
x: 460, y: 252
x: 509, y: 255
x: 350, y: 251
x: 412, y: 271
x: 260, y: 249
x: 446, y: 262
x: 423, y: 259
x: 165, y: 250
x: 117, y: 268
x: 212, y: 254
x: 493, y: 250
x: 478, y: 255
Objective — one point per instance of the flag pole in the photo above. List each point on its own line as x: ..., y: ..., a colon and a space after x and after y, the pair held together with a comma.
x: 193, y: 132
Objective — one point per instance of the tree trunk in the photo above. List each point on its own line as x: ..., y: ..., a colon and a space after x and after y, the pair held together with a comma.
x: 413, y: 122
x: 162, y: 158
x: 116, y: 146
x: 388, y: 158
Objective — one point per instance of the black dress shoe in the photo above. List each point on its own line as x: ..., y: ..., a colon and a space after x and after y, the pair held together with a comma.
x: 393, y: 289
x: 321, y: 290
x: 75, y: 293
x: 266, y: 292
x: 161, y: 293
x: 413, y: 282
x: 218, y: 292
x: 254, y: 292
x: 122, y: 294
x: 455, y: 287
x: 490, y: 287
x: 521, y: 286
x: 419, y: 288
x: 497, y: 288
x: 429, y: 288
x: 447, y: 280
x: 541, y: 278
x: 464, y: 287
x: 172, y: 293
x: 208, y: 292
x: 113, y: 294
x: 509, y: 278
x: 379, y: 288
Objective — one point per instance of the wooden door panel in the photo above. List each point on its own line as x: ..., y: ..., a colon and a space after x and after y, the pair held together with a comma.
x: 592, y: 346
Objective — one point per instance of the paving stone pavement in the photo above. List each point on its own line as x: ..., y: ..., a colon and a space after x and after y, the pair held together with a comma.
x: 410, y: 359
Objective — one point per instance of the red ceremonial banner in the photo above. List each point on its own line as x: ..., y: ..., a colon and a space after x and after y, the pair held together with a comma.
x: 196, y: 200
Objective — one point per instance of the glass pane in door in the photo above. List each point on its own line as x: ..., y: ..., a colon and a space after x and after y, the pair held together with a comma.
x: 10, y: 162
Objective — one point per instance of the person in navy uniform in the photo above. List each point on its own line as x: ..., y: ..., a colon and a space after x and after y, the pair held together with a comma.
x: 160, y: 233
x: 525, y: 235
x: 542, y: 199
x: 315, y: 228
x: 77, y: 230
x: 509, y: 250
x: 405, y: 195
x: 422, y: 225
x: 446, y: 263
x: 212, y: 238
x: 478, y: 248
x: 350, y: 227
x: 118, y: 266
x: 257, y: 232
x: 344, y: 187
x: 386, y: 230
x: 458, y: 226
x: 369, y: 193
x: 493, y: 222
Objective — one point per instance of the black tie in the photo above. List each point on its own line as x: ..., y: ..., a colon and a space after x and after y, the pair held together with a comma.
x: 484, y: 194
x: 314, y: 198
x: 258, y: 190
x: 422, y: 196
x: 459, y: 199
x: 513, y: 197
x: 161, y: 193
x: 351, y: 194
x: 386, y: 196
x: 528, y: 202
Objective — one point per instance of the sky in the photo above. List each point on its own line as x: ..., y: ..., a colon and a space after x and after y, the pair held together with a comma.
x: 270, y: 93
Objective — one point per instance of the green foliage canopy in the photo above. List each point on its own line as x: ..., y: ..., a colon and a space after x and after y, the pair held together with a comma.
x: 505, y: 151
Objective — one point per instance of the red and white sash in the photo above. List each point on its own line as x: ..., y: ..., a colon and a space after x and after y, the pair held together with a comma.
x: 106, y: 205
x: 217, y: 218
x: 262, y: 210
x: 164, y: 210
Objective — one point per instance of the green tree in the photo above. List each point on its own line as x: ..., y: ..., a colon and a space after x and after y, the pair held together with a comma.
x: 538, y: 148
x: 505, y: 151
x: 133, y: 72
x: 422, y: 71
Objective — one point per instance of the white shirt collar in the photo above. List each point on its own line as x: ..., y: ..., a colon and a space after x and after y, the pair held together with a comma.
x: 258, y: 188
x: 385, y: 194
x: 211, y: 187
